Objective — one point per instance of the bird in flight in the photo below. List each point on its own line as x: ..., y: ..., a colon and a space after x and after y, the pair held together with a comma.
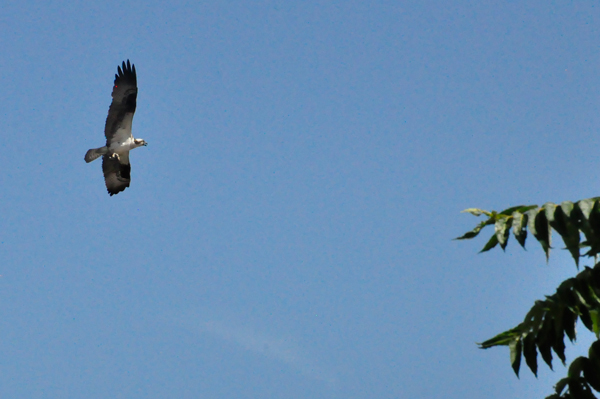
x: 119, y: 140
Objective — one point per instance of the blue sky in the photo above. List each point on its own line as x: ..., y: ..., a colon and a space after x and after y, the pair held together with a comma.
x: 287, y: 232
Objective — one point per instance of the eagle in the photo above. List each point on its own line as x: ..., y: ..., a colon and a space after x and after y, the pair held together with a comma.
x: 119, y: 140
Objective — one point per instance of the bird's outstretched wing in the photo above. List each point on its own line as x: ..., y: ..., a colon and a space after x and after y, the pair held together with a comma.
x: 117, y: 173
x: 123, y: 104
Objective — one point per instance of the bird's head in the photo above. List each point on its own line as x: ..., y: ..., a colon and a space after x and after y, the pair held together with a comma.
x: 140, y: 142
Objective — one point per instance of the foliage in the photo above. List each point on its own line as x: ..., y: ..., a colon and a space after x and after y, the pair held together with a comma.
x: 545, y: 325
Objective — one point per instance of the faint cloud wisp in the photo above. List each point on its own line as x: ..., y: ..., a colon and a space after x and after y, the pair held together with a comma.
x: 284, y: 350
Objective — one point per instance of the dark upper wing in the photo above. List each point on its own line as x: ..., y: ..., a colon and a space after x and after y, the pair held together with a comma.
x: 124, y: 97
x: 117, y: 175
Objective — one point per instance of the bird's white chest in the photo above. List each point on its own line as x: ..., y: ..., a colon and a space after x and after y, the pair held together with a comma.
x: 122, y: 140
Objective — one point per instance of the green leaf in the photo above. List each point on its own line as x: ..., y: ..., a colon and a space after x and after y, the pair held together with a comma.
x: 594, y: 354
x: 477, y: 212
x: 493, y: 241
x: 560, y: 385
x: 539, y: 227
x: 501, y: 339
x: 592, y: 375
x: 545, y: 339
x: 595, y: 279
x: 565, y: 294
x: 595, y: 322
x: 475, y: 232
x: 519, y: 208
x: 549, y: 209
x: 527, y: 208
x: 576, y: 367
x: 586, y: 319
x: 515, y: 355
x: 530, y: 352
x: 594, y: 222
x: 584, y: 292
x: 519, y: 226
x: 561, y: 222
x: 569, y: 320
x: 558, y: 344
x: 579, y: 389
x: 586, y: 207
x: 594, y: 217
x: 531, y: 215
x: 558, y: 311
x: 502, y: 229
x: 567, y: 207
x: 534, y: 319
x: 580, y: 216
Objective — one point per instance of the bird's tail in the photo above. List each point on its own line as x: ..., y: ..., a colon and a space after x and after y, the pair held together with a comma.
x: 95, y: 153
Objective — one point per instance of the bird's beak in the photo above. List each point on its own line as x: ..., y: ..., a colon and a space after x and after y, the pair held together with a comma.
x: 145, y: 144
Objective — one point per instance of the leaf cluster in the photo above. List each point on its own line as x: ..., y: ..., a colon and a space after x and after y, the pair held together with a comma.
x: 546, y: 324
x: 584, y: 374
x: 568, y: 219
x: 548, y: 321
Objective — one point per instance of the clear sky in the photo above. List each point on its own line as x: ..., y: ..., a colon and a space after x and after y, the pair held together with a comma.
x: 287, y: 232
